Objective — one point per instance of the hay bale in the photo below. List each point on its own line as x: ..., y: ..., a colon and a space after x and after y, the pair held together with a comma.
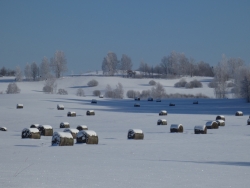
x: 239, y: 113
x: 221, y: 117
x: 3, y: 129
x: 71, y: 114
x: 45, y: 130
x: 200, y: 129
x: 72, y: 131
x: 19, y: 106
x: 220, y: 122
x: 82, y: 127
x: 212, y: 125
x: 163, y: 113
x: 248, y: 121
x: 60, y: 107
x: 62, y: 139
x: 87, y: 136
x: 100, y: 96
x: 150, y: 99
x: 137, y: 98
x: 195, y: 102
x: 90, y: 113
x: 162, y: 122
x: 158, y: 100
x: 137, y: 105
x: 171, y: 104
x: 176, y: 128
x: 34, y: 125
x: 136, y: 134
x: 93, y: 101
x: 64, y: 125
x: 31, y: 133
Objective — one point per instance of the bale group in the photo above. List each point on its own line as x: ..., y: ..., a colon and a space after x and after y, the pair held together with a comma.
x: 136, y: 105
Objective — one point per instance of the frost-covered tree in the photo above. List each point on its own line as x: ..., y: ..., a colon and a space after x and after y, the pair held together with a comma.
x: 126, y: 64
x: 110, y: 64
x: 18, y: 74
x: 12, y: 89
x: 34, y: 71
x: 27, y: 72
x: 119, y: 92
x: 158, y: 91
x: 44, y: 68
x: 50, y: 85
x: 58, y: 63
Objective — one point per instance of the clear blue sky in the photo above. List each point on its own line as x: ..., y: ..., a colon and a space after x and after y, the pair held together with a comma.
x: 86, y: 30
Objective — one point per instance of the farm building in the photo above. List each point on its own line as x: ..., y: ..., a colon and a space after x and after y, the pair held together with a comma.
x: 212, y: 125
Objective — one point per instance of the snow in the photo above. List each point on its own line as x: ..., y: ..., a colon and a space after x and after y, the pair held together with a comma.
x: 32, y: 130
x: 62, y: 134
x: 218, y: 159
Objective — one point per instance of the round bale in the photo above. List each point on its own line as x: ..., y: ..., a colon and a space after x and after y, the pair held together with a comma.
x: 171, y: 104
x: 248, y: 121
x: 60, y: 107
x: 150, y: 99
x: 200, y: 129
x: 82, y: 127
x: 90, y: 113
x: 3, y: 129
x: 220, y: 122
x: 71, y: 131
x: 45, y: 130
x: 62, y: 139
x: 162, y: 122
x: 136, y: 134
x: 239, y: 113
x: 221, y: 117
x: 163, y: 113
x: 93, y: 101
x: 31, y: 133
x: 64, y: 125
x: 176, y: 128
x: 212, y: 125
x: 71, y: 114
x: 158, y: 100
x: 87, y: 136
x: 19, y: 106
x: 136, y: 105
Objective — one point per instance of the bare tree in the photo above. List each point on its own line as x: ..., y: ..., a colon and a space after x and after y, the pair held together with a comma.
x: 18, y: 74
x: 58, y: 63
x: 126, y: 64
x: 34, y: 70
x: 44, y: 68
x: 110, y: 64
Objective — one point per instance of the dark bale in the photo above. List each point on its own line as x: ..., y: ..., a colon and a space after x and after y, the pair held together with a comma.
x: 31, y: 133
x: 171, y: 104
x: 150, y: 99
x: 90, y: 113
x: 136, y: 105
x: 195, y: 102
x: 81, y: 127
x: 135, y: 135
x: 239, y: 113
x: 64, y: 125
x: 200, y: 131
x: 94, y: 101
x: 85, y: 137
x: 137, y: 98
x: 176, y: 129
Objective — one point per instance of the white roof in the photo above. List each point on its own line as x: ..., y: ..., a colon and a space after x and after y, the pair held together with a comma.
x: 162, y: 120
x: 71, y: 130
x: 176, y: 126
x: 200, y: 127
x: 63, y: 134
x: 210, y: 123
x: 136, y: 130
x: 33, y: 130
x: 46, y: 126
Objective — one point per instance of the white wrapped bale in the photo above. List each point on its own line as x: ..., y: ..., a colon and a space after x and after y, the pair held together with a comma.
x: 82, y: 127
x: 220, y: 122
x: 31, y: 133
x: 90, y: 113
x: 136, y: 105
x: 60, y: 107
x: 64, y: 125
x: 72, y: 131
x: 221, y: 117
x: 71, y: 114
x: 176, y: 128
x: 136, y: 134
x: 162, y: 122
x: 45, y: 130
x: 200, y: 129
x: 3, y: 129
x: 87, y: 136
x: 62, y: 139
x: 239, y: 113
x: 212, y: 125
x: 163, y: 113
x: 19, y: 106
x: 35, y: 125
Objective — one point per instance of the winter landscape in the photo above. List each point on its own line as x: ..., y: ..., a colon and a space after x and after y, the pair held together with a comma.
x: 219, y: 158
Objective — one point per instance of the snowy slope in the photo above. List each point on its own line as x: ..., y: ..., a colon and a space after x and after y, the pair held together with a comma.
x: 163, y: 159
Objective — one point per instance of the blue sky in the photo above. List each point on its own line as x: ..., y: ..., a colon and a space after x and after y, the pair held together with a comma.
x: 145, y: 30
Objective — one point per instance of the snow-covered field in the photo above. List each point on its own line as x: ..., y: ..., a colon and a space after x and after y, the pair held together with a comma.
x: 220, y: 158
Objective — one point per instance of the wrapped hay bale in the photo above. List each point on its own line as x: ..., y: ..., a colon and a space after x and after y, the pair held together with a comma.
x: 60, y: 107
x: 137, y: 98
x: 62, y: 139
x: 158, y: 100
x: 87, y: 136
x: 171, y: 104
x: 176, y: 128
x: 90, y: 113
x: 221, y: 117
x: 239, y: 113
x: 150, y: 99
x: 94, y: 101
x: 220, y: 122
x: 45, y: 130
x: 82, y: 127
x: 71, y: 114
x: 136, y: 134
x: 248, y: 121
x: 3, y: 129
x: 212, y: 125
x: 31, y: 133
x: 34, y: 125
x: 19, y: 106
x: 163, y: 113
x: 72, y: 131
x: 195, y: 102
x: 162, y: 122
x: 64, y: 125
x: 136, y: 105
x: 200, y: 129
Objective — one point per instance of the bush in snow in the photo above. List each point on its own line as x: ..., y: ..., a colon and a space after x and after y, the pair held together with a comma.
x: 96, y: 92
x: 92, y: 83
x: 50, y: 85
x: 145, y: 93
x: 133, y: 94
x: 80, y: 92
x: 62, y: 92
x: 152, y: 82
x: 158, y: 91
x: 117, y: 93
x: 193, y: 84
x: 181, y: 83
x: 12, y: 89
